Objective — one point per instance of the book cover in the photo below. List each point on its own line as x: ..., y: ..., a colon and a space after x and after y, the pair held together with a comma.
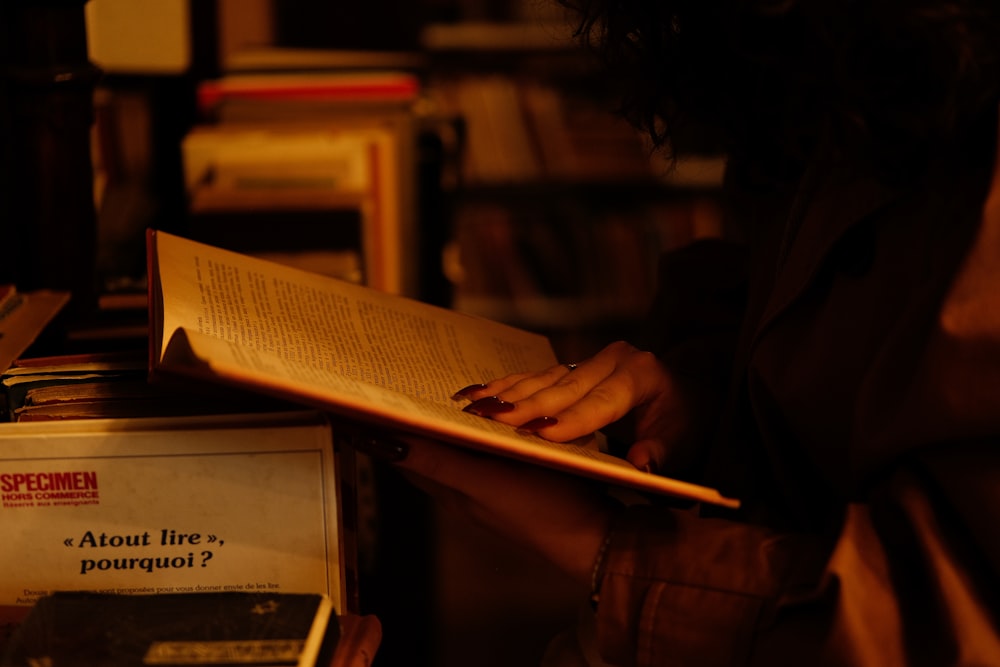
x: 370, y: 356
x: 220, y: 503
x: 347, y: 88
x: 105, y: 630
x: 23, y: 317
x: 112, y: 385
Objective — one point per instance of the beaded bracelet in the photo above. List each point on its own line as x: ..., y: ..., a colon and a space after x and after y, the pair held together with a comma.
x: 597, y: 574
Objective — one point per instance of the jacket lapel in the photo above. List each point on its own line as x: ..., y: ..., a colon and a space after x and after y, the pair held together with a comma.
x: 838, y: 200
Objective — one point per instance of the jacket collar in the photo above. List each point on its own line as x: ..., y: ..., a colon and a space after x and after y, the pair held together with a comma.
x: 833, y: 198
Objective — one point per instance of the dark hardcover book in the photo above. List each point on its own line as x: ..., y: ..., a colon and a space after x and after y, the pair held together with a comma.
x: 91, y: 630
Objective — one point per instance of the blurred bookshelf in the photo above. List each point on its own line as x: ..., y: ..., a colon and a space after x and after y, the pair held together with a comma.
x: 559, y: 209
x: 518, y: 194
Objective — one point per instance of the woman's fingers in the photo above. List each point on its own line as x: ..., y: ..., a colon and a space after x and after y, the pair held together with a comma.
x: 530, y: 385
x: 578, y: 407
x: 514, y: 387
x: 566, y: 402
x: 523, y: 399
x: 649, y: 455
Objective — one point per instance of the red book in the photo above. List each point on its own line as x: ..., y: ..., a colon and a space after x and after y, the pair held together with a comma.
x: 349, y: 87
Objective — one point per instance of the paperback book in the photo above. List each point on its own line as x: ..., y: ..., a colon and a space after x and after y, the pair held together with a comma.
x: 361, y: 354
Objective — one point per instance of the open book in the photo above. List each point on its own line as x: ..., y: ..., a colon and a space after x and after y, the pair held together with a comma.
x: 356, y: 352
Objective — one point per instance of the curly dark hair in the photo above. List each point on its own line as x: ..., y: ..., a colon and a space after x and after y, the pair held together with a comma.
x: 895, y: 73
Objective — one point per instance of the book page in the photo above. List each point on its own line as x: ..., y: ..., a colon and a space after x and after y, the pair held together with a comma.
x: 333, y: 329
x: 215, y: 359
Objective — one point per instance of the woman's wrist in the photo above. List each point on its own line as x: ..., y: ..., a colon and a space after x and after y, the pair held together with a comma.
x: 587, y: 561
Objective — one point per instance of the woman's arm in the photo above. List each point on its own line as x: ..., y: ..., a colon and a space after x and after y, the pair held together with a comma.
x: 562, y: 517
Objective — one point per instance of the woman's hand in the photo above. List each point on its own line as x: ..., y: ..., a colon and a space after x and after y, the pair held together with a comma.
x: 562, y: 517
x: 568, y: 401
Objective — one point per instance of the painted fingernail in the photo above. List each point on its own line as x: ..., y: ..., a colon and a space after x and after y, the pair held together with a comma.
x: 488, y: 406
x: 465, y: 391
x: 536, y: 424
x: 384, y: 448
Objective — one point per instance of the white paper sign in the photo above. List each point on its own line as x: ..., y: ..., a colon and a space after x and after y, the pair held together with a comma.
x: 159, y: 506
